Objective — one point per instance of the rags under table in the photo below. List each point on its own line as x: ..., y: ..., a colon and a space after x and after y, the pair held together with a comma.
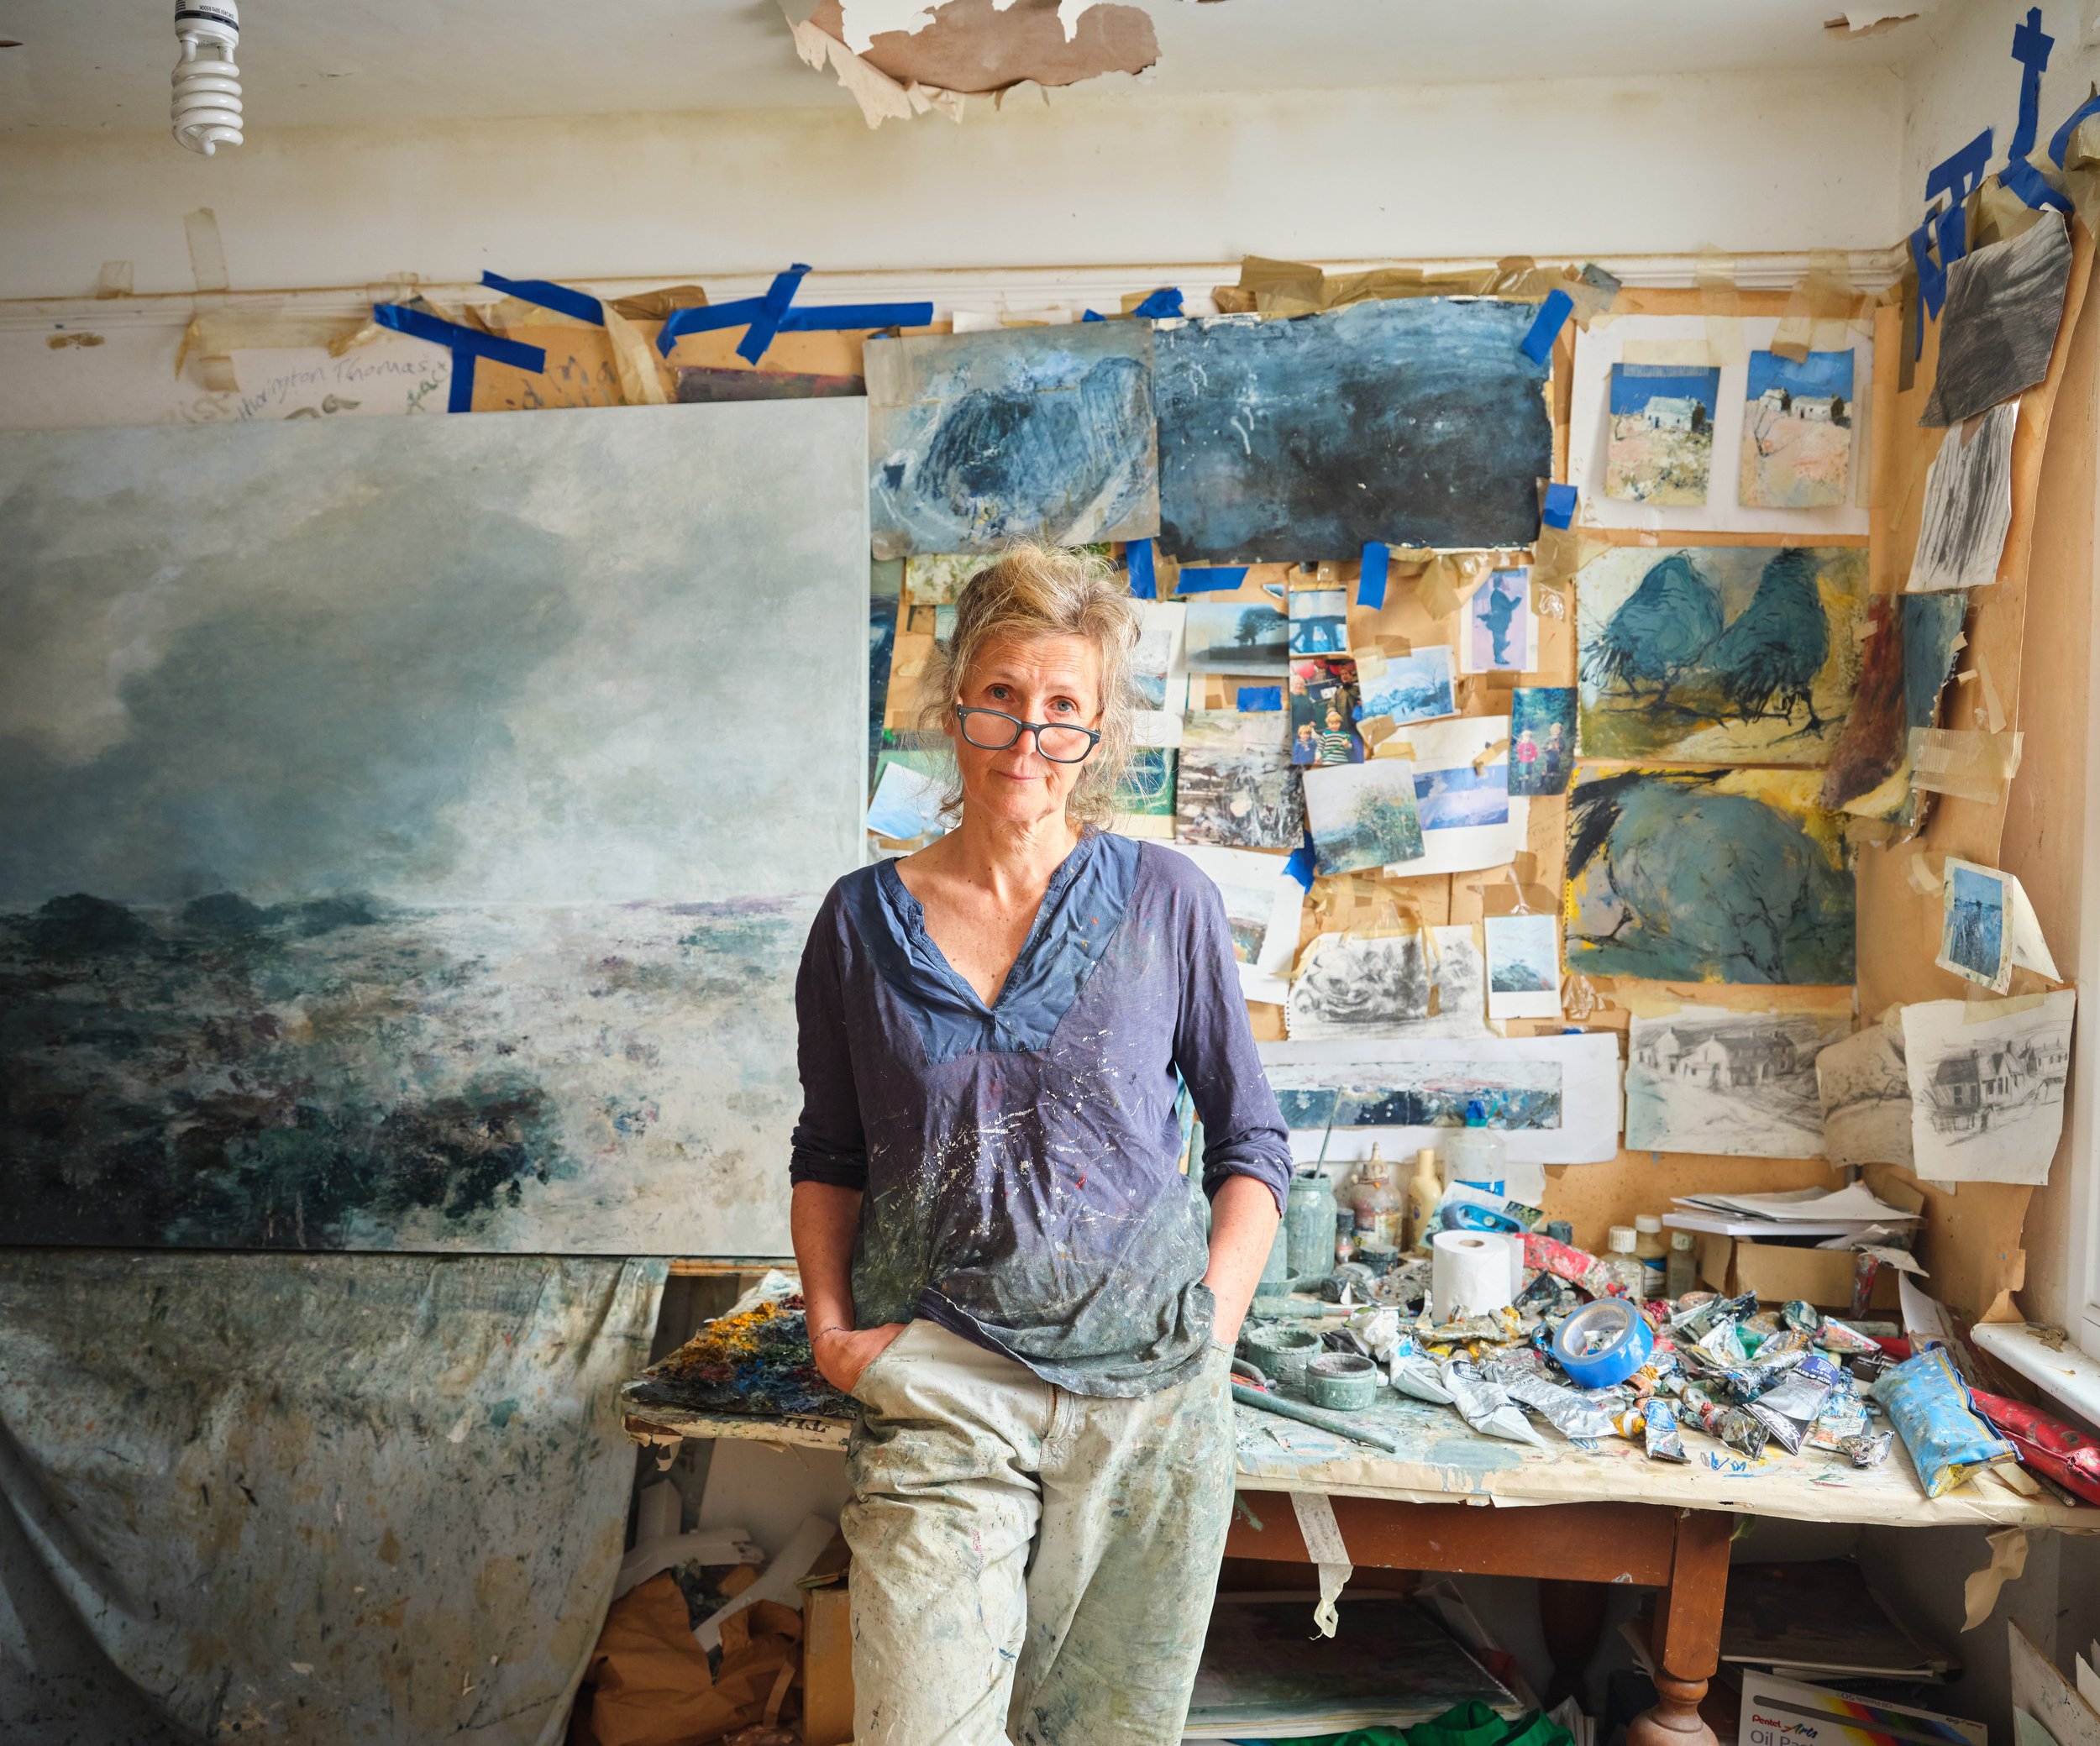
x: 1451, y: 1500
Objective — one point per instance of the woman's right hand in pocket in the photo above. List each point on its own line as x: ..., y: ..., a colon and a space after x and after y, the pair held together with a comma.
x: 842, y: 1354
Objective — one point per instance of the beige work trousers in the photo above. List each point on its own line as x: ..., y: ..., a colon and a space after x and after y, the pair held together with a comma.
x: 1031, y: 1567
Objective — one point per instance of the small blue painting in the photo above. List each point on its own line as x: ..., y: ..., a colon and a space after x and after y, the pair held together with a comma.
x: 977, y: 439
x: 1417, y: 687
x: 1416, y: 421
x: 1459, y: 798
x: 1973, y: 936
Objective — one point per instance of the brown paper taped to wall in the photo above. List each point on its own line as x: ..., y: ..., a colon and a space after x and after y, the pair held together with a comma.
x: 1971, y: 764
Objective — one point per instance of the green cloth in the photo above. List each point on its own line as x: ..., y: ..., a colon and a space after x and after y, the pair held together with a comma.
x: 1470, y: 1724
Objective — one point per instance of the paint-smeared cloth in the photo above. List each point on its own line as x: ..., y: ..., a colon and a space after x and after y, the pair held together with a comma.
x: 1020, y: 1161
x: 378, y: 1497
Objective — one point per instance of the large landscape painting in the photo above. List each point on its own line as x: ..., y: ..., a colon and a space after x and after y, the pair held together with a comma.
x: 410, y: 842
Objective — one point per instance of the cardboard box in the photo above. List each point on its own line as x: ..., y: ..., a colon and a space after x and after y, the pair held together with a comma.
x: 1785, y: 1713
x: 1779, y: 1274
x: 827, y: 1667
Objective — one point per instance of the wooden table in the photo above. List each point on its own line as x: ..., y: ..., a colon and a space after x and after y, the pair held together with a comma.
x: 1578, y: 1512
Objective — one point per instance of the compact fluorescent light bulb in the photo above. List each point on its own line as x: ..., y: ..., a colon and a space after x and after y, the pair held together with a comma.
x: 206, y: 83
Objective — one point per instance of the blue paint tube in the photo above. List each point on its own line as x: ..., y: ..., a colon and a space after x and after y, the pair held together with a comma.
x: 1947, y: 1443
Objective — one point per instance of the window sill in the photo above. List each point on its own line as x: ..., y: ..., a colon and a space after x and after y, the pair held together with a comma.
x: 2069, y: 1376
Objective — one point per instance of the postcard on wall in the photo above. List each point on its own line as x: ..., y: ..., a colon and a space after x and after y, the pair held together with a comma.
x: 1798, y: 432
x: 1737, y: 1084
x: 1237, y: 636
x: 1361, y: 815
x: 1234, y: 786
x: 1417, y: 687
x: 1987, y: 926
x: 1469, y: 818
x: 976, y: 439
x: 1320, y: 621
x: 1968, y: 505
x: 1159, y: 671
x: 1660, y: 448
x: 1865, y: 1091
x: 1145, y: 797
x: 2005, y: 304
x: 1501, y: 631
x: 1733, y: 876
x: 1523, y: 966
x: 1987, y: 1086
x: 1541, y: 739
x: 1554, y: 1099
x: 1263, y: 905
x: 1323, y: 712
x: 1734, y: 654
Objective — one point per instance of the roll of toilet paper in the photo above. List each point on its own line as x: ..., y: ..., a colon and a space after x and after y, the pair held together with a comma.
x: 1469, y: 1273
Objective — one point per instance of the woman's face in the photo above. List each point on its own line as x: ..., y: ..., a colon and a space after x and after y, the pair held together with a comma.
x: 1036, y: 679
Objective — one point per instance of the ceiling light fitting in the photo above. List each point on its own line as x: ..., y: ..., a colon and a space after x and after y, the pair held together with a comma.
x: 206, y: 83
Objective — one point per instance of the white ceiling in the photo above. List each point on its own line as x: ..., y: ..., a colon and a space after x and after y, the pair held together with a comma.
x: 102, y: 65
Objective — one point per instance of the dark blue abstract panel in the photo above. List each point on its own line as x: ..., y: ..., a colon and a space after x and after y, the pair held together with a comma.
x: 976, y: 439
x: 1416, y: 421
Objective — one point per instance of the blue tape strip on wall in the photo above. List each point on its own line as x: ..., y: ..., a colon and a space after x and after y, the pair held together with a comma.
x: 1371, y: 576
x: 1560, y: 506
x: 775, y: 313
x: 464, y: 344
x: 1300, y: 867
x: 1137, y: 554
x: 562, y: 299
x: 1260, y: 700
x: 1162, y: 305
x: 1537, y: 345
x: 1209, y: 578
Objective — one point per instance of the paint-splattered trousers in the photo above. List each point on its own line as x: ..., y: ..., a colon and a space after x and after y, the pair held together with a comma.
x: 1031, y: 1567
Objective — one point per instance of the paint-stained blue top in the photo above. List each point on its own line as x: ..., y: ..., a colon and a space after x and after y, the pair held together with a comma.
x: 1416, y: 421
x: 1021, y: 1162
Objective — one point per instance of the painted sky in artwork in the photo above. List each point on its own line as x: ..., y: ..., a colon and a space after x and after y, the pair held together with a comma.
x: 398, y: 862
x: 1417, y: 421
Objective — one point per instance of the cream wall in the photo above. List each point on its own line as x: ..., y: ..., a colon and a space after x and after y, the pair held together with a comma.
x: 1744, y: 164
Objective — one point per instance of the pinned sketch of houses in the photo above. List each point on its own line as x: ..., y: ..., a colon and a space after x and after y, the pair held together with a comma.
x: 1737, y: 1083
x: 1998, y: 1082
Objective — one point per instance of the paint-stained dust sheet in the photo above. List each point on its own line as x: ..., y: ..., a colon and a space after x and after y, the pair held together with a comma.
x: 377, y: 1498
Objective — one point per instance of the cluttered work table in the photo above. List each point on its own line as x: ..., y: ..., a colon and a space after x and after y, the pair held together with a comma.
x: 1440, y: 1496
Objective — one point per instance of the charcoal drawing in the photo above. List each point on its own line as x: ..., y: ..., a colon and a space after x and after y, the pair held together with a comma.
x: 1864, y: 1090
x: 1987, y: 1086
x: 1968, y: 506
x: 1907, y: 663
x: 1998, y: 327
x: 976, y: 439
x: 1732, y: 654
x: 1416, y: 421
x: 1351, y: 986
x: 1711, y: 875
x: 1739, y: 1084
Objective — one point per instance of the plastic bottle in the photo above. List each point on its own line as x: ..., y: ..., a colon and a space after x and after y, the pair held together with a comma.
x: 1379, y: 1212
x: 1423, y: 1192
x: 1620, y: 1266
x: 1475, y: 1154
x: 1652, y: 1251
x: 1681, y: 1267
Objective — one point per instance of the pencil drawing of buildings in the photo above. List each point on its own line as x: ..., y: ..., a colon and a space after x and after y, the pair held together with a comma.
x: 1974, y: 1089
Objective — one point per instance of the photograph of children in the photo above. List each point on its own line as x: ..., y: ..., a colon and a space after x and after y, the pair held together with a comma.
x: 1418, y: 687
x: 1323, y: 713
x: 1319, y: 622
x: 1500, y: 634
x: 1541, y: 739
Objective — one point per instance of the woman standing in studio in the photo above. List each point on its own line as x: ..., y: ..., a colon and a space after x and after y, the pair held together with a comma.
x: 1001, y: 1258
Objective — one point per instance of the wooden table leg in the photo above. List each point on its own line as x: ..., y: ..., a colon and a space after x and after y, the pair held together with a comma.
x: 1687, y: 1633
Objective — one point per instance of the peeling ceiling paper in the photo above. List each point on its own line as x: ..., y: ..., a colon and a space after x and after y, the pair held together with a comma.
x: 982, y: 46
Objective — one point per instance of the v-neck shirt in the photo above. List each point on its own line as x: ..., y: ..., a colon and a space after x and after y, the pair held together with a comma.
x: 1020, y: 1161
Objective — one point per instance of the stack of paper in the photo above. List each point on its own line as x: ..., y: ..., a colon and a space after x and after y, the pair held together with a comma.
x: 1797, y: 1213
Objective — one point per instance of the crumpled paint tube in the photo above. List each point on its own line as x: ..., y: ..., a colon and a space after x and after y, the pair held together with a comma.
x: 1833, y: 1336
x: 1483, y: 1405
x: 1801, y: 1315
x: 2048, y: 1446
x: 1690, y: 1325
x: 1660, y: 1435
x: 1842, y: 1415
x: 1789, y: 1408
x: 1868, y: 1451
x: 1930, y: 1407
x: 1726, y: 1424
x: 1775, y: 1346
x: 1410, y: 1369
x: 1567, y: 1412
x: 1563, y: 1260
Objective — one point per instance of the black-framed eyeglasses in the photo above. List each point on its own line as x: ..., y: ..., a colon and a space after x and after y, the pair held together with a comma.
x: 994, y: 730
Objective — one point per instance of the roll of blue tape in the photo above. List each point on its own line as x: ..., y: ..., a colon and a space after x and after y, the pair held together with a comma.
x: 1603, y: 1344
x: 1464, y: 1215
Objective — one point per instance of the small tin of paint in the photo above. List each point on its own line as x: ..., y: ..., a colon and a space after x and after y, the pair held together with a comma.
x: 1280, y: 1351
x: 1341, y: 1381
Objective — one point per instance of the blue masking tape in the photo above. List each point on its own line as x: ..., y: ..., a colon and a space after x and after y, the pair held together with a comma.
x: 1603, y: 1344
x: 1537, y: 345
x: 1209, y: 578
x: 2031, y: 48
x: 1161, y: 304
x: 1371, y: 575
x: 773, y: 306
x: 1464, y: 1215
x: 1137, y: 554
x: 1300, y: 867
x: 1560, y: 506
x: 559, y: 298
x: 1093, y: 315
x: 2060, y: 141
x: 776, y: 313
x: 464, y: 344
x: 1259, y: 700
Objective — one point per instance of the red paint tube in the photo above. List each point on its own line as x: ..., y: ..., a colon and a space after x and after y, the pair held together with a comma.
x: 2048, y: 1446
